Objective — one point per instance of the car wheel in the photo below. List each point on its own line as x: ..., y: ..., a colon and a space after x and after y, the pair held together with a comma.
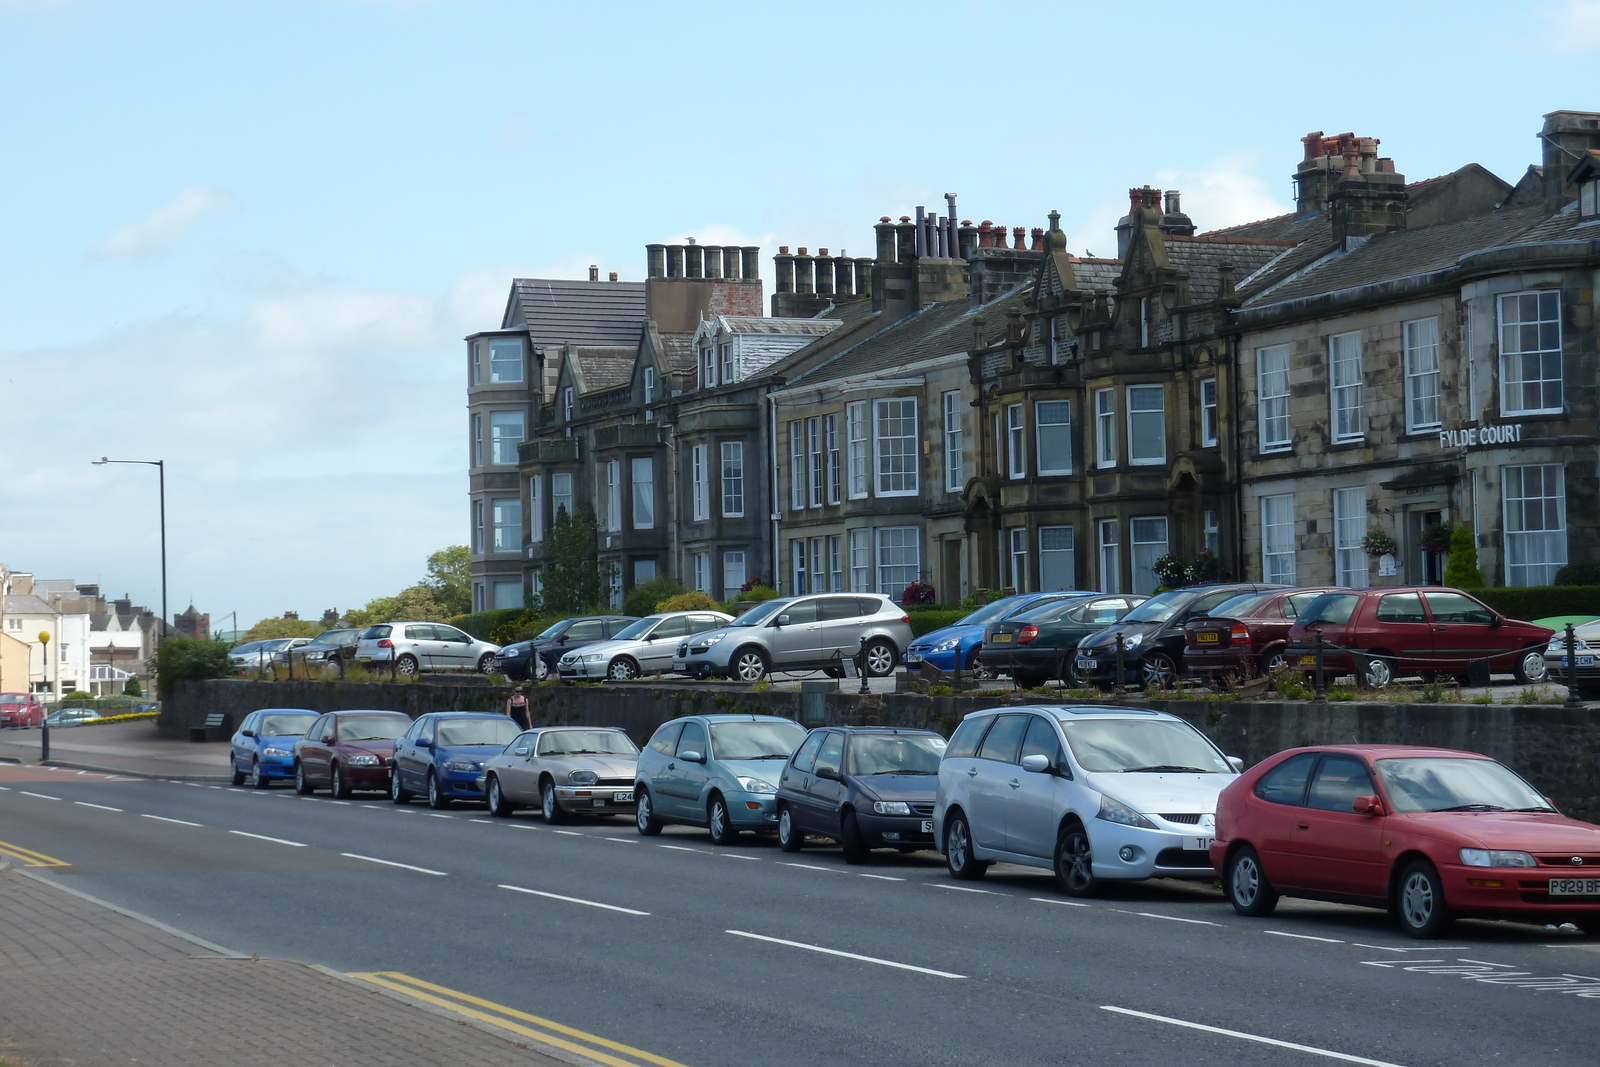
x: 1029, y: 679
x: 1075, y: 863
x: 499, y: 807
x: 541, y: 669
x: 301, y: 784
x: 958, y: 850
x: 644, y: 814
x: 1273, y: 662
x: 549, y: 805
x: 257, y: 779
x: 341, y: 788
x: 397, y: 792
x: 855, y: 849
x: 238, y: 775
x: 750, y: 664
x: 486, y: 663
x: 789, y: 836
x: 1530, y: 667
x: 406, y: 666
x: 436, y: 798
x: 1158, y: 670
x: 1376, y: 672
x: 881, y: 659
x: 1246, y: 886
x: 1419, y: 901
x: 976, y: 668
x: 622, y: 668
x: 718, y: 823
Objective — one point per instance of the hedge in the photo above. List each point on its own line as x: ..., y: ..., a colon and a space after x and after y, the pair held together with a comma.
x: 1541, y: 601
x: 501, y: 626
x: 927, y: 620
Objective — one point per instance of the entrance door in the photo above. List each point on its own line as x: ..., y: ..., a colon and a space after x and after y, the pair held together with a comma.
x: 1432, y: 563
x: 949, y: 571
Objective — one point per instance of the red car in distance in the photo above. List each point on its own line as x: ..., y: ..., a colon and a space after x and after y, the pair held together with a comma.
x: 1245, y: 635
x: 347, y: 750
x: 1380, y: 634
x: 1431, y: 834
x: 20, y: 709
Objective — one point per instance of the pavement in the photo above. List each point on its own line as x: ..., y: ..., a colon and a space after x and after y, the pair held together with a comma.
x: 125, y: 747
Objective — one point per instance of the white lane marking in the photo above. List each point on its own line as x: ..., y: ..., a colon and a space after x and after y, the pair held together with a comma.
x: 1303, y: 937
x: 845, y: 955
x: 341, y: 803
x: 264, y: 837
x: 102, y: 807
x: 958, y: 888
x: 802, y: 866
x: 681, y: 848
x: 482, y: 822
x: 574, y: 900
x: 736, y: 856
x: 7, y: 788
x: 163, y: 818
x: 213, y: 787
x: 392, y: 863
x: 436, y: 815
x: 1429, y: 948
x: 883, y: 877
x: 1174, y: 918
x: 571, y: 833
x: 621, y: 840
x: 41, y: 796
x: 1064, y: 903
x: 86, y: 772
x: 522, y: 826
x: 194, y: 785
x: 1313, y: 1050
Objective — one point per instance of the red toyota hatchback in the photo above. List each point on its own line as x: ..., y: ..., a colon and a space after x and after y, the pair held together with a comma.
x: 1430, y: 834
x: 20, y: 709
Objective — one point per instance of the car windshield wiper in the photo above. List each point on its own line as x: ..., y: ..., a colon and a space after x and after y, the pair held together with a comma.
x: 766, y: 755
x: 1471, y: 807
x: 1541, y: 808
x: 1169, y: 769
x: 902, y: 772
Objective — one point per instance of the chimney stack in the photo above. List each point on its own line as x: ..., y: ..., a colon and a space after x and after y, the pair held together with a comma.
x: 824, y: 273
x: 613, y: 276
x: 713, y: 261
x: 1565, y: 137
x: 594, y: 273
x: 656, y: 258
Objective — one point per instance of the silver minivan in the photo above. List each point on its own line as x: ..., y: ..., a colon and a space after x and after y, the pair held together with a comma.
x: 799, y: 634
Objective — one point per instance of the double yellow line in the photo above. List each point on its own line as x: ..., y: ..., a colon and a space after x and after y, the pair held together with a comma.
x: 517, y: 1022
x: 29, y: 858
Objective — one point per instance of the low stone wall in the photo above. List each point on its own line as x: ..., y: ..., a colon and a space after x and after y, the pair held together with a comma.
x: 1557, y: 749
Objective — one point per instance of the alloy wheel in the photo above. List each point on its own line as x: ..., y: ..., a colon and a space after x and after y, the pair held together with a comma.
x: 880, y: 659
x: 406, y: 666
x: 1075, y: 863
x: 1159, y: 670
x: 622, y: 668
x: 750, y: 666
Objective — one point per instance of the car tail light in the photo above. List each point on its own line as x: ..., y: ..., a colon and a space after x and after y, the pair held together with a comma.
x: 385, y: 643
x: 1028, y: 633
x: 1241, y: 634
x: 905, y: 618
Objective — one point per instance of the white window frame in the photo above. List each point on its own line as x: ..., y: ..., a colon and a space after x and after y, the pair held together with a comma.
x: 908, y: 539
x: 725, y: 355
x: 1105, y: 429
x: 1018, y: 557
x: 1057, y: 541
x: 474, y: 363
x: 835, y: 565
x: 732, y: 479
x: 1144, y: 575
x: 1514, y: 353
x: 708, y: 367
x: 1345, y: 420
x: 1208, y: 413
x: 506, y: 515
x: 699, y: 458
x: 701, y: 567
x: 1533, y: 555
x: 1421, y: 338
x: 497, y: 367
x: 731, y: 560
x: 649, y: 393
x: 477, y: 527
x: 858, y: 431
x: 644, y: 491
x: 1144, y: 322
x: 1211, y: 534
x: 613, y: 495
x: 797, y: 566
x: 818, y: 568
x: 815, y: 469
x: 499, y: 442
x: 560, y: 497
x: 535, y: 508
x: 1016, y: 442
x: 1350, y: 565
x: 1052, y: 432
x: 477, y: 440
x: 1143, y: 415
x: 1272, y: 399
x: 566, y: 404
x: 830, y: 443
x: 896, y: 459
x: 1277, y: 539
x: 1108, y: 532
x: 954, y: 443
x: 860, y: 548
x: 797, y: 465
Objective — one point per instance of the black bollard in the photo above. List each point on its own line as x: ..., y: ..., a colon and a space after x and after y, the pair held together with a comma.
x: 1321, y: 688
x: 1572, y: 668
x: 1120, y: 668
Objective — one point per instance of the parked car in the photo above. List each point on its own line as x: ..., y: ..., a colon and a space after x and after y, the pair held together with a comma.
x: 20, y: 709
x: 259, y: 655
x: 1152, y: 636
x: 1246, y: 634
x: 642, y: 647
x: 1381, y: 634
x: 958, y: 644
x: 331, y: 649
x: 1038, y: 644
x: 1586, y: 636
x: 346, y: 751
x: 424, y: 646
x: 800, y: 633
x: 1095, y: 794
x: 442, y: 755
x: 864, y: 787
x: 538, y: 656
x: 564, y: 771
x: 716, y: 771
x: 1428, y: 833
x: 64, y: 717
x: 263, y: 747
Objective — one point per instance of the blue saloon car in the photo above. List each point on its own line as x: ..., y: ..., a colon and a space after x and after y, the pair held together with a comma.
x: 263, y: 746
x: 442, y: 755
x: 959, y: 642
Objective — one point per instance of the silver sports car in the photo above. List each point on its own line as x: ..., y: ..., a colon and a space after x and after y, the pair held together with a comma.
x: 564, y: 771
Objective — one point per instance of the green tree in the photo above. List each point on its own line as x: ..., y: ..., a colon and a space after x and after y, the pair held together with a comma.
x: 644, y: 598
x: 179, y: 658
x: 450, y: 579
x: 415, y: 604
x: 267, y: 629
x: 576, y: 580
x: 132, y: 688
x: 1462, y: 570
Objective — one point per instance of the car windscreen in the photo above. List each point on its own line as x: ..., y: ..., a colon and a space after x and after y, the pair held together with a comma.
x: 1243, y: 604
x: 490, y: 730
x: 1335, y: 608
x: 991, y: 612
x: 755, y: 740
x: 284, y: 725
x: 585, y: 743
x: 551, y: 630
x: 895, y: 754
x: 248, y: 646
x: 13, y: 698
x: 1453, y: 783
x: 636, y: 629
x: 372, y: 727
x: 1161, y: 608
x: 1154, y: 745
x: 1049, y: 612
x: 760, y: 613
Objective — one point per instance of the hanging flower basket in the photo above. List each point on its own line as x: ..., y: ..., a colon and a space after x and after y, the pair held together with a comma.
x: 1379, y: 543
x: 1204, y: 570
x: 1436, y: 537
x: 918, y: 592
x: 1170, y: 570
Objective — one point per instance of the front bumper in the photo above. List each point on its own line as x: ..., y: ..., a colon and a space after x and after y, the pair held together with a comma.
x: 1100, y: 666
x: 753, y: 811
x: 367, y: 777
x: 699, y: 664
x: 512, y: 667
x: 947, y: 660
x: 461, y: 782
x: 1522, y: 892
x: 1004, y: 658
x: 894, y: 831
x: 1154, y: 853
x: 586, y: 671
x: 278, y: 767
x: 594, y: 798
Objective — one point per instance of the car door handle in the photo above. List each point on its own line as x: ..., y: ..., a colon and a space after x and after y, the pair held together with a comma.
x: 972, y: 772
x: 1302, y: 826
x: 1441, y: 627
x: 672, y: 766
x: 1015, y: 784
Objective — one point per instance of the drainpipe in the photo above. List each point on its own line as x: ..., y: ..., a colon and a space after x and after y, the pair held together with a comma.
x: 1237, y: 461
x: 772, y: 486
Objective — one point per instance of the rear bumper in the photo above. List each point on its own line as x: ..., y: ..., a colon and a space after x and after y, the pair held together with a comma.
x: 1210, y: 660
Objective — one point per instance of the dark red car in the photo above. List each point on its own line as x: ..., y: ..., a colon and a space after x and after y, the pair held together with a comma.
x: 1381, y: 634
x: 347, y: 750
x: 20, y: 709
x: 1245, y: 635
x: 1430, y: 834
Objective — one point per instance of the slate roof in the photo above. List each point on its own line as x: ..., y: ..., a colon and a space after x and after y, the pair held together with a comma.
x: 557, y: 311
x: 27, y: 604
x: 1290, y: 227
x: 813, y: 327
x: 1201, y: 256
x: 600, y: 369
x: 1092, y: 274
x: 676, y: 352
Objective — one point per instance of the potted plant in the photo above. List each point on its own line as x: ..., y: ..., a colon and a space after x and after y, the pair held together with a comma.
x: 1379, y: 543
x: 1436, y: 537
x: 918, y: 592
x: 1170, y: 570
x: 1204, y: 570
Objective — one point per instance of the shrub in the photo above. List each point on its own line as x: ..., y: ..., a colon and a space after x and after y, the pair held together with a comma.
x: 693, y: 600
x: 181, y: 658
x: 927, y: 620
x: 78, y: 696
x: 1204, y: 569
x: 1462, y: 570
x: 1538, y: 602
x: 1170, y: 571
x: 753, y: 594
x: 643, y: 599
x: 132, y: 689
x: 1585, y: 573
x: 484, y: 625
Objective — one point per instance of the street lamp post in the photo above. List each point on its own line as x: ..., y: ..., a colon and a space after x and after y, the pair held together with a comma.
x: 161, y: 473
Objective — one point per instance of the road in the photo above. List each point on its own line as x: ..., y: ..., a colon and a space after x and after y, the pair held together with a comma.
x: 747, y: 956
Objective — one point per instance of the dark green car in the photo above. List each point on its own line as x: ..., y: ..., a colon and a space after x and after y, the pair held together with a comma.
x: 1038, y: 645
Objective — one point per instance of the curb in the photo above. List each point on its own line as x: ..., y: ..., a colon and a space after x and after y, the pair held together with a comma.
x: 211, y: 947
x: 128, y: 773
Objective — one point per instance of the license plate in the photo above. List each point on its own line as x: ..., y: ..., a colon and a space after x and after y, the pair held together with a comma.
x: 1086, y: 664
x: 1001, y: 639
x: 623, y: 798
x: 927, y: 826
x: 1207, y: 638
x: 913, y: 657
x: 1575, y: 887
x: 1308, y: 661
x: 1583, y: 661
x: 1196, y: 844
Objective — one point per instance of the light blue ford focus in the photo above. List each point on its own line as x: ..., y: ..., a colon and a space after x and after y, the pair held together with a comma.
x: 716, y: 771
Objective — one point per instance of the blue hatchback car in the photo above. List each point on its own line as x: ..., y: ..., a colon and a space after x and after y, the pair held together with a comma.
x: 263, y: 746
x: 959, y: 642
x: 442, y: 755
x: 716, y: 771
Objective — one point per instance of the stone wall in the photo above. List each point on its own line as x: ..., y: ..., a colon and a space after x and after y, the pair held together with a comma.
x: 1554, y: 747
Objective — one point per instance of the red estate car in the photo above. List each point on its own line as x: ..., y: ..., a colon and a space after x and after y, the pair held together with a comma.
x: 20, y: 709
x: 1246, y: 634
x: 1428, y: 833
x: 348, y: 750
x: 1381, y: 634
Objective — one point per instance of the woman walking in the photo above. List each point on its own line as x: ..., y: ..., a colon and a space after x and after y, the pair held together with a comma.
x: 517, y: 709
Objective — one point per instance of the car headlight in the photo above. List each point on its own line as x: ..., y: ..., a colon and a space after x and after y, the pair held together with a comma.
x: 946, y: 645
x: 1118, y: 812
x: 755, y: 785
x: 364, y: 761
x: 510, y: 652
x: 276, y: 753
x: 710, y: 639
x: 1494, y: 857
x: 583, y: 777
x: 891, y: 807
x: 462, y: 765
x: 1128, y: 641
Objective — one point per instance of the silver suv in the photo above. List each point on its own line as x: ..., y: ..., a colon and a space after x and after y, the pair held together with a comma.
x: 424, y: 646
x: 799, y: 634
x: 645, y: 647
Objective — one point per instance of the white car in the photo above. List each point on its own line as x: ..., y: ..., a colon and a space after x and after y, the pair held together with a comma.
x: 1095, y: 794
x: 423, y: 646
x: 643, y: 647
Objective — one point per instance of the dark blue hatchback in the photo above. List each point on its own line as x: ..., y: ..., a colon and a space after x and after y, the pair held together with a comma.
x: 442, y: 755
x: 864, y: 787
x: 263, y: 746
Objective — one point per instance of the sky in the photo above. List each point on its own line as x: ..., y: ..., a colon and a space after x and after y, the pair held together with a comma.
x: 247, y: 239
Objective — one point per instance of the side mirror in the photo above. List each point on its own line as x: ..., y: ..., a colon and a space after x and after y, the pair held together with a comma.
x: 691, y: 756
x: 248, y: 733
x: 1367, y: 805
x: 423, y: 743
x: 1236, y: 763
x: 1036, y: 762
x: 781, y: 620
x: 830, y: 773
x: 1495, y: 620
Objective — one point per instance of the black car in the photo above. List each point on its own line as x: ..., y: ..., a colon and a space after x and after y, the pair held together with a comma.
x: 1152, y: 637
x: 864, y: 787
x: 1037, y: 645
x: 537, y: 658
x: 331, y: 649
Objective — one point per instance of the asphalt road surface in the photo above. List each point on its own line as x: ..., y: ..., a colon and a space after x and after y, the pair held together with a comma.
x: 747, y: 956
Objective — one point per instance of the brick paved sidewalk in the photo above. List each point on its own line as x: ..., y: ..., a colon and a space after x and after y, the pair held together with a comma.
x: 87, y: 986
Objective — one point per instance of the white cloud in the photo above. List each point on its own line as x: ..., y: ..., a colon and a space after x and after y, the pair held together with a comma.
x: 1226, y: 193
x: 1573, y: 26
x: 720, y: 233
x: 154, y: 234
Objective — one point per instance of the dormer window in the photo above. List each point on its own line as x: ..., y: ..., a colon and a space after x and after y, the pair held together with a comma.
x: 708, y: 368
x: 1144, y: 322
x: 1589, y: 198
x: 566, y: 404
